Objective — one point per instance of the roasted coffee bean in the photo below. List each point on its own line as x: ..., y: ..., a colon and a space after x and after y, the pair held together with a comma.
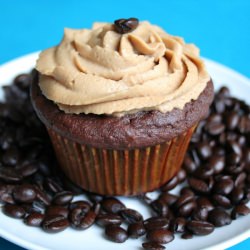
x: 237, y: 195
x: 52, y: 185
x: 24, y: 193
x: 14, y: 211
x: 217, y: 163
x: 168, y: 198
x: 200, y: 227
x: 123, y: 26
x: 11, y: 156
x: 9, y: 175
x: 57, y: 210
x: 150, y: 245
x: 42, y: 196
x: 223, y: 187
x: 189, y: 165
x: 62, y: 198
x: 219, y: 217
x: 215, y: 128
x: 6, y: 193
x: 112, y: 205
x: 184, y: 198
x: 204, y: 172
x: 34, y: 219
x: 22, y: 81
x: 187, y: 208
x: 232, y: 120
x: 95, y: 198
x: 84, y: 205
x: 131, y: 215
x: 181, y: 175
x: 161, y: 236
x: 54, y: 223
x: 108, y: 219
x: 200, y: 213
x: 198, y: 185
x: 233, y: 159
x: 178, y: 225
x: 27, y: 169
x: 136, y: 230
x: 204, y: 202
x: 170, y: 184
x: 234, y: 147
x: 239, y: 210
x: 239, y: 180
x: 153, y: 223
x: 116, y: 233
x: 204, y: 150
x: 187, y: 191
x: 160, y: 207
x: 187, y: 236
x: 221, y: 201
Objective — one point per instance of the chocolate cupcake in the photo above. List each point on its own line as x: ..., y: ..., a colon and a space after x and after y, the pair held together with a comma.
x: 120, y: 104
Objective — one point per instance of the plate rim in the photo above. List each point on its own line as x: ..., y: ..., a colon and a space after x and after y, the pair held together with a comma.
x: 30, y: 245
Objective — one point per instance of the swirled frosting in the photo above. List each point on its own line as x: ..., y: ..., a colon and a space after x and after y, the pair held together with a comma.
x: 100, y: 71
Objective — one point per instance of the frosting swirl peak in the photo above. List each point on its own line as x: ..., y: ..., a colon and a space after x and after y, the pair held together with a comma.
x: 103, y: 72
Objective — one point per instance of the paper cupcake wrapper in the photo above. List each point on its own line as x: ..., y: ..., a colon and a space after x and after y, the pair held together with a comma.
x: 120, y: 172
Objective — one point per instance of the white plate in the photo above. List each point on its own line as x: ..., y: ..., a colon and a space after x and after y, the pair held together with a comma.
x: 33, y: 238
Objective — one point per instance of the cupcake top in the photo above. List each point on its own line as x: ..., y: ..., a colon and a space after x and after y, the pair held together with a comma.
x: 105, y: 71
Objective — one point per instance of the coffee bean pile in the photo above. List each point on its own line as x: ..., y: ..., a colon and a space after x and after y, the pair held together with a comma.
x: 214, y: 181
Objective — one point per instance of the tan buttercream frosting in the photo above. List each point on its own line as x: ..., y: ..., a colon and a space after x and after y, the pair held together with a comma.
x: 103, y: 72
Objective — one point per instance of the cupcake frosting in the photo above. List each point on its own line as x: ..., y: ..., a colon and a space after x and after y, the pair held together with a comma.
x: 101, y: 71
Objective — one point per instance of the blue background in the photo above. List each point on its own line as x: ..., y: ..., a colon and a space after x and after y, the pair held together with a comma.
x: 220, y: 28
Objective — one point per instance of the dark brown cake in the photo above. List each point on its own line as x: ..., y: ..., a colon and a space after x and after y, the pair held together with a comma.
x: 141, y: 129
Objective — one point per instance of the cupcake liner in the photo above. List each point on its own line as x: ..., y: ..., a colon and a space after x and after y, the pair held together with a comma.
x: 120, y: 172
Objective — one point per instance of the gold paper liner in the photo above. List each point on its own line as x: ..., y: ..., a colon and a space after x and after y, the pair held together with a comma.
x: 120, y: 172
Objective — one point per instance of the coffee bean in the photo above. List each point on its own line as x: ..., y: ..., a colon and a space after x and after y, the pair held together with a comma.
x: 187, y: 208
x: 161, y: 236
x: 181, y: 175
x: 187, y: 191
x: 14, y: 211
x: 237, y: 195
x: 221, y: 200
x: 27, y: 169
x: 112, y: 205
x: 9, y: 175
x: 57, y: 210
x: 84, y: 205
x: 198, y: 185
x: 63, y: 198
x: 54, y: 223
x: 200, y: 213
x: 153, y: 223
x: 239, y: 180
x: 24, y: 193
x: 116, y: 233
x: 52, y: 185
x: 232, y: 120
x: 224, y: 187
x: 215, y: 128
x: 123, y: 26
x: 234, y: 147
x: 204, y: 202
x: 170, y: 184
x: 204, y: 150
x: 178, y: 225
x: 200, y: 227
x: 42, y: 196
x: 189, y: 165
x: 187, y: 236
x: 11, y: 156
x: 168, y: 198
x: 104, y: 220
x: 217, y: 162
x: 6, y: 193
x: 136, y: 230
x: 34, y: 219
x: 22, y: 81
x: 239, y: 210
x: 184, y: 198
x: 160, y: 207
x: 204, y: 172
x: 131, y: 215
x: 152, y: 246
x: 219, y: 217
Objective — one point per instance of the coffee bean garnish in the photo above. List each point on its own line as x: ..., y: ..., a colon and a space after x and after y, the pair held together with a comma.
x: 124, y: 26
x: 215, y: 177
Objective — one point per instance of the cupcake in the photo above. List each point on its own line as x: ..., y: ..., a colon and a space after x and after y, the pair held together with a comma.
x: 120, y: 103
